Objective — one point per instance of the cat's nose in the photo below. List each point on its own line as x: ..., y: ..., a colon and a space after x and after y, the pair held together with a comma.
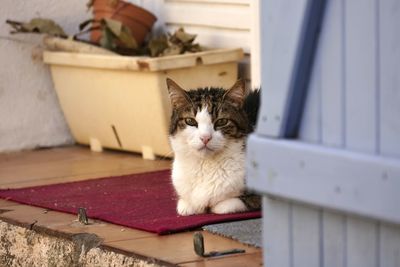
x: 205, y: 139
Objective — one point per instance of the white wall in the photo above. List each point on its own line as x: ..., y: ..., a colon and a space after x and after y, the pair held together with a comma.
x: 29, y: 112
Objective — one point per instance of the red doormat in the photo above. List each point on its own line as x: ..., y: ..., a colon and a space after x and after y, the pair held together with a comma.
x: 142, y: 201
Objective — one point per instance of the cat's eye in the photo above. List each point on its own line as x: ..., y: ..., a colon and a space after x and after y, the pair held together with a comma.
x: 191, y: 122
x: 221, y: 122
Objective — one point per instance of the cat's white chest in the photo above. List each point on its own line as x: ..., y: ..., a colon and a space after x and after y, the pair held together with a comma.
x: 206, y: 181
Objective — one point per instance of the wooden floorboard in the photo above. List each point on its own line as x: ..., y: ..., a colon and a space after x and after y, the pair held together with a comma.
x: 250, y: 259
x: 78, y: 163
x: 178, y: 248
x: 64, y: 222
x: 57, y: 165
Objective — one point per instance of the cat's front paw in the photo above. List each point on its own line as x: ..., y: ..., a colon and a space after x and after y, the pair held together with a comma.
x: 229, y: 205
x: 184, y: 208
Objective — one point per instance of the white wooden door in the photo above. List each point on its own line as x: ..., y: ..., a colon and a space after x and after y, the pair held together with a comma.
x: 332, y: 194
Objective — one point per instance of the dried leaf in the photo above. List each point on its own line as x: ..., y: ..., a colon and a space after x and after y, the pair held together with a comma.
x: 84, y: 24
x: 38, y: 25
x: 115, y: 26
x: 158, y: 45
x: 126, y: 38
x: 178, y: 43
x: 115, y: 34
x: 107, y: 39
x: 172, y: 50
x: 194, y: 48
x: 44, y: 26
x: 184, y: 37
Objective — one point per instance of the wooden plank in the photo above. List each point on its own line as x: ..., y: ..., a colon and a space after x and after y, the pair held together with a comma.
x: 327, y: 177
x: 255, y: 43
x: 203, y: 14
x: 334, y: 247
x: 389, y: 77
x: 289, y: 41
x: 332, y: 76
x: 310, y: 128
x: 306, y: 236
x: 67, y: 223
x: 178, y: 248
x: 361, y: 242
x: 303, y: 66
x: 389, y: 245
x: 69, y: 164
x: 33, y: 157
x: 36, y: 181
x: 276, y: 232
x: 6, y: 203
x: 361, y: 93
x: 248, y: 260
x: 30, y: 168
x: 282, y: 24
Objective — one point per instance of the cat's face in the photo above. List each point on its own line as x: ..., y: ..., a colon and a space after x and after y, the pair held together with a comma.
x: 207, y: 120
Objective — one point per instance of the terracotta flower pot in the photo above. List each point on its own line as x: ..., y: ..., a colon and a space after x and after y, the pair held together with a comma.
x: 138, y: 20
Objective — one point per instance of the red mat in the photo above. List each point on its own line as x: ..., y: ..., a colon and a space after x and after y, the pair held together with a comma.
x: 142, y: 201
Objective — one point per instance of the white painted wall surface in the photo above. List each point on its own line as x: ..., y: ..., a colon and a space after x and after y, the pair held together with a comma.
x: 29, y: 112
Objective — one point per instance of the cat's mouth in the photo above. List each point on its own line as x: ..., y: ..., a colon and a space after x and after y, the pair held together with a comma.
x: 206, y: 148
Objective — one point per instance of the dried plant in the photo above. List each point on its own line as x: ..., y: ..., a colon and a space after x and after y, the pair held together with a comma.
x: 37, y: 25
x: 115, y: 37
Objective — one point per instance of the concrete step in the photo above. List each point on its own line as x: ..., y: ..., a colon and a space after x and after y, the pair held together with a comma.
x: 30, y: 245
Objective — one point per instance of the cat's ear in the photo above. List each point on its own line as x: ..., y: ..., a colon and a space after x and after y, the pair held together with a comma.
x: 177, y: 95
x: 237, y: 93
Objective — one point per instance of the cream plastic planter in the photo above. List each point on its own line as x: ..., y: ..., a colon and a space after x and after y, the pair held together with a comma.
x: 122, y: 102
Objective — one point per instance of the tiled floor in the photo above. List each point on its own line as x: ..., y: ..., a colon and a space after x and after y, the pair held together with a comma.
x: 57, y: 165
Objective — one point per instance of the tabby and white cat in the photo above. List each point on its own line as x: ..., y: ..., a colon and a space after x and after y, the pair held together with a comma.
x: 207, y: 134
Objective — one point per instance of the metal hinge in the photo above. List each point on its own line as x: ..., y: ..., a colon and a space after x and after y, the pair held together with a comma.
x: 198, y: 242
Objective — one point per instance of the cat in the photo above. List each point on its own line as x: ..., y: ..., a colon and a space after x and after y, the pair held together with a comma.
x: 208, y: 130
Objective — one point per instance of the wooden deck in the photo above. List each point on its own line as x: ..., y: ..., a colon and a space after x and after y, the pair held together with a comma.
x: 50, y: 166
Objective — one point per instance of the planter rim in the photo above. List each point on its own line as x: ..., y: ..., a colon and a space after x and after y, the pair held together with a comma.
x: 128, y: 63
